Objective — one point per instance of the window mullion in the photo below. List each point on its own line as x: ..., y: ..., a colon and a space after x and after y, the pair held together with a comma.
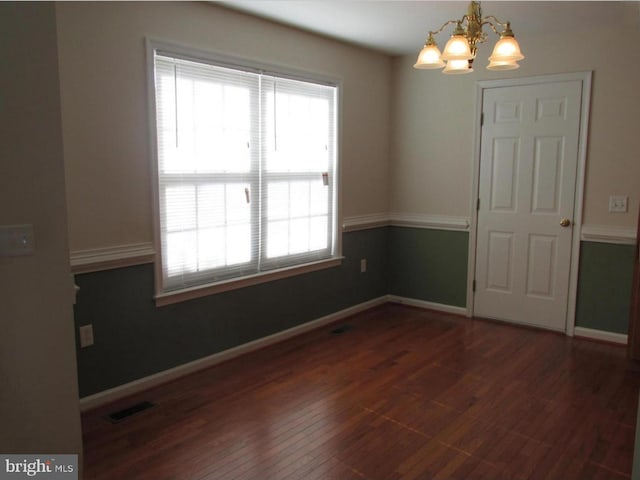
x: 256, y: 190
x: 262, y: 132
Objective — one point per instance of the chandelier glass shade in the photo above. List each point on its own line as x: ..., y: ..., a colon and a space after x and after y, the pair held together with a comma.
x: 458, y: 67
x: 461, y: 48
x: 430, y: 56
x: 502, y: 65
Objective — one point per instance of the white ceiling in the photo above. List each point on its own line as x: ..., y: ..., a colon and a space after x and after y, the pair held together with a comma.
x: 399, y: 27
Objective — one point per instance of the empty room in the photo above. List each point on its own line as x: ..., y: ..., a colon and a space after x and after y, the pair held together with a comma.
x: 320, y: 239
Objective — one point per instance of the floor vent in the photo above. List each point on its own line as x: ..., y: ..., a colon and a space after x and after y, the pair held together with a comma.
x: 341, y: 329
x: 120, y: 415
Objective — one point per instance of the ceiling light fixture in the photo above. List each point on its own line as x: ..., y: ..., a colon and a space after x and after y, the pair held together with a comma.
x: 460, y: 50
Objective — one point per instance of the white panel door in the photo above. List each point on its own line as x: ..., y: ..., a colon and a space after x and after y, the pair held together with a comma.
x: 528, y: 168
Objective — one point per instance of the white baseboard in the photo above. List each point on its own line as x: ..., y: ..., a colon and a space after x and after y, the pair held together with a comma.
x: 600, y: 335
x: 121, y: 391
x: 107, y: 396
x: 440, y: 307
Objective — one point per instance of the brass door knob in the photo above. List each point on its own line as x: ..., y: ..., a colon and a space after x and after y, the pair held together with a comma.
x: 565, y: 222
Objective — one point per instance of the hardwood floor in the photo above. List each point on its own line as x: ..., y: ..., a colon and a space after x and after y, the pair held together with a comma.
x: 404, y: 394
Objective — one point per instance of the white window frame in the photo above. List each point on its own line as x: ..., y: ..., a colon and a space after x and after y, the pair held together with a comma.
x: 278, y: 271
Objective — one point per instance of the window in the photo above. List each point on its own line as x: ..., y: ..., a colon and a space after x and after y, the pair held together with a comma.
x: 246, y: 171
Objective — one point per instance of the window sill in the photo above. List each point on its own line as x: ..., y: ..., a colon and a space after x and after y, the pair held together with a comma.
x: 183, y: 295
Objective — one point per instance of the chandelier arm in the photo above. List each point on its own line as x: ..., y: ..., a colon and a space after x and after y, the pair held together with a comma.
x: 497, y: 20
x: 445, y: 25
x: 493, y: 27
x: 487, y: 21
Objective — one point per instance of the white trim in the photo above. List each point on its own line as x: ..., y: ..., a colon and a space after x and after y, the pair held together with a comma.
x: 121, y: 391
x: 581, y: 174
x: 436, y: 222
x: 182, y: 295
x: 585, y: 78
x: 107, y: 396
x: 475, y: 198
x: 364, y: 222
x: 592, y: 334
x: 398, y: 219
x: 119, y: 256
x: 163, y: 287
x: 607, y: 234
x: 439, y: 307
x: 106, y: 258
x: 239, y: 62
x: 150, y: 46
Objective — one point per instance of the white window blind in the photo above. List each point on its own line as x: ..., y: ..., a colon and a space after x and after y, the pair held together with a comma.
x: 246, y: 171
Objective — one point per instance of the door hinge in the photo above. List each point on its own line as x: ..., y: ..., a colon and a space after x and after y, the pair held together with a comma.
x: 482, y: 119
x: 478, y: 204
x: 473, y: 286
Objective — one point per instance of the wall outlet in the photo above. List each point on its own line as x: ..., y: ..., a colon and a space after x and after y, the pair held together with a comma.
x: 363, y: 265
x: 86, y: 336
x: 618, y: 203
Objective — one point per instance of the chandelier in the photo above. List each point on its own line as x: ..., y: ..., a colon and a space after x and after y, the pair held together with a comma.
x: 460, y: 50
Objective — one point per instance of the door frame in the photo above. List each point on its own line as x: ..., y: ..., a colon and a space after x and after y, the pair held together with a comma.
x: 481, y: 86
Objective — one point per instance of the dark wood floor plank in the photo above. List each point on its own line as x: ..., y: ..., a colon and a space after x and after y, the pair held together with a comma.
x: 404, y: 393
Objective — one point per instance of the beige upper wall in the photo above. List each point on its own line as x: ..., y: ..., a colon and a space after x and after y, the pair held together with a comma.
x: 105, y: 113
x: 433, y: 124
x: 39, y: 394
x: 423, y: 117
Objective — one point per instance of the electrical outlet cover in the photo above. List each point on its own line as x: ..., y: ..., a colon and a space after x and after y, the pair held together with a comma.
x: 363, y: 265
x: 86, y: 336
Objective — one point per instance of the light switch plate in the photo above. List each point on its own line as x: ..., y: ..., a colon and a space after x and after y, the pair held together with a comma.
x: 16, y: 240
x: 618, y: 203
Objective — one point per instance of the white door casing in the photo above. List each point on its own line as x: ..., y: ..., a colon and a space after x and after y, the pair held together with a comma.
x: 530, y: 157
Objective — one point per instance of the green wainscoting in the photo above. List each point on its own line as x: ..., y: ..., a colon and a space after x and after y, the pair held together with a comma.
x: 429, y: 265
x: 604, y: 286
x: 134, y: 338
